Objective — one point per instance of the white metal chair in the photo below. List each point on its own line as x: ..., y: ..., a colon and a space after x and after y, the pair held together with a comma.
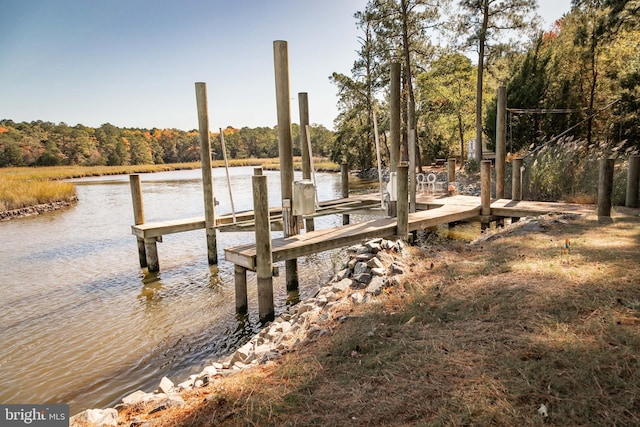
x: 420, y: 182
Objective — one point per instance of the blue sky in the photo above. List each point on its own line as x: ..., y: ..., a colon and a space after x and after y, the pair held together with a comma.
x: 134, y: 63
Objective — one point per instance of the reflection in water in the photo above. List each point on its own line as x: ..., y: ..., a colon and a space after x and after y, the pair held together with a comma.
x: 81, y: 323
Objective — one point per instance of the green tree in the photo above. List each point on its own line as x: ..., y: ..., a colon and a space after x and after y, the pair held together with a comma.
x: 483, y: 22
x: 447, y: 97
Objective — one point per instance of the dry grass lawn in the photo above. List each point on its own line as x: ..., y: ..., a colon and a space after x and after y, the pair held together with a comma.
x: 513, y: 331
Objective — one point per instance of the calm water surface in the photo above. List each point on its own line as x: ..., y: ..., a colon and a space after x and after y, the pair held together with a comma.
x: 81, y: 323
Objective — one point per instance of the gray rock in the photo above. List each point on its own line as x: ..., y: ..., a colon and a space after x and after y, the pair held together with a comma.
x: 342, y: 274
x: 365, y: 257
x: 97, y: 417
x: 378, y: 271
x: 173, y: 401
x: 136, y: 397
x: 357, y: 297
x: 375, y: 263
x: 341, y: 285
x: 363, y: 278
x: 166, y: 385
x: 396, y: 268
x: 362, y: 250
x: 359, y: 268
x: 376, y: 286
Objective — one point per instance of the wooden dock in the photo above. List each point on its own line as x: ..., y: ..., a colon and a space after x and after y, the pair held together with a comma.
x: 323, y: 240
x: 245, y: 220
x: 506, y: 207
x: 436, y: 211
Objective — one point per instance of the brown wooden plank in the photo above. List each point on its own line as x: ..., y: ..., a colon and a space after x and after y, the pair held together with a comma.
x: 332, y: 238
x: 156, y: 229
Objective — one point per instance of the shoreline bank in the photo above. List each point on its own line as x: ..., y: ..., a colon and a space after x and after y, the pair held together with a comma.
x: 372, y: 267
x: 36, y: 209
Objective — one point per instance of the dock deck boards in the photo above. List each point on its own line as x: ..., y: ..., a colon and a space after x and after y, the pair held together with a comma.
x: 438, y: 211
x: 161, y: 228
x: 322, y: 240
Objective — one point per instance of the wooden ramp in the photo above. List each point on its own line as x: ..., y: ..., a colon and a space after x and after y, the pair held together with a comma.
x: 346, y: 235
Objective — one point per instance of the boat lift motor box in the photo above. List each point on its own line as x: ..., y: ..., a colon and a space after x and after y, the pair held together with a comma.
x: 304, y: 197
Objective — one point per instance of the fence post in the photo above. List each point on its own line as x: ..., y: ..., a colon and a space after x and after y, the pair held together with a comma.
x: 605, y: 187
x: 516, y: 182
x: 485, y: 193
x: 403, y: 201
x: 633, y: 176
x: 501, y: 137
x: 344, y: 181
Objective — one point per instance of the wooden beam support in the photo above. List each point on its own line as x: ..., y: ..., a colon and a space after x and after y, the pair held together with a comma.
x: 207, y: 178
x: 264, y: 263
x: 138, y: 215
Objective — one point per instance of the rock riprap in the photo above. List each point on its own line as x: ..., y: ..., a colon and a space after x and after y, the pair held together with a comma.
x: 372, y: 266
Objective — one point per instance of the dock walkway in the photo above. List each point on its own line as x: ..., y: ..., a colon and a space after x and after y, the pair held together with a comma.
x: 436, y: 211
x: 322, y: 240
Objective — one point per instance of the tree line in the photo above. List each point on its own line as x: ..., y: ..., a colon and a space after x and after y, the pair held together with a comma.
x: 39, y: 143
x: 580, y: 78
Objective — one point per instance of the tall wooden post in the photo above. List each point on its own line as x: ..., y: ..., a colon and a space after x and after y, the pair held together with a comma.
x: 394, y: 104
x: 501, y: 138
x: 344, y: 181
x: 605, y: 187
x: 403, y: 200
x: 264, y: 257
x: 303, y: 106
x: 207, y: 178
x: 281, y: 67
x: 485, y: 192
x: 633, y: 178
x: 451, y: 173
x: 138, y: 214
x: 516, y: 182
x: 412, y: 170
x: 516, y: 179
x: 240, y: 280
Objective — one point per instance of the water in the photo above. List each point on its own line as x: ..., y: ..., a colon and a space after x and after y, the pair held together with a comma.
x: 81, y: 323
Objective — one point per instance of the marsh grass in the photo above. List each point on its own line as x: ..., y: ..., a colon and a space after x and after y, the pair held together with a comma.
x: 27, y: 186
x: 568, y: 170
x: 480, y: 334
x: 16, y: 193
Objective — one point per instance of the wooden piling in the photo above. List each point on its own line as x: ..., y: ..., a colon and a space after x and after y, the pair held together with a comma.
x: 344, y: 181
x: 485, y: 192
x: 303, y: 106
x: 151, y: 251
x: 138, y: 214
x: 605, y: 187
x: 633, y: 178
x: 451, y: 173
x: 240, y: 277
x: 516, y: 182
x: 403, y: 201
x: 501, y: 138
x: 281, y: 68
x: 412, y: 170
x: 516, y: 178
x: 264, y: 260
x: 207, y: 178
x: 394, y: 105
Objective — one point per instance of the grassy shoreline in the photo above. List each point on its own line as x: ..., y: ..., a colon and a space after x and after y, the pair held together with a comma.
x: 23, y: 187
x: 514, y: 330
